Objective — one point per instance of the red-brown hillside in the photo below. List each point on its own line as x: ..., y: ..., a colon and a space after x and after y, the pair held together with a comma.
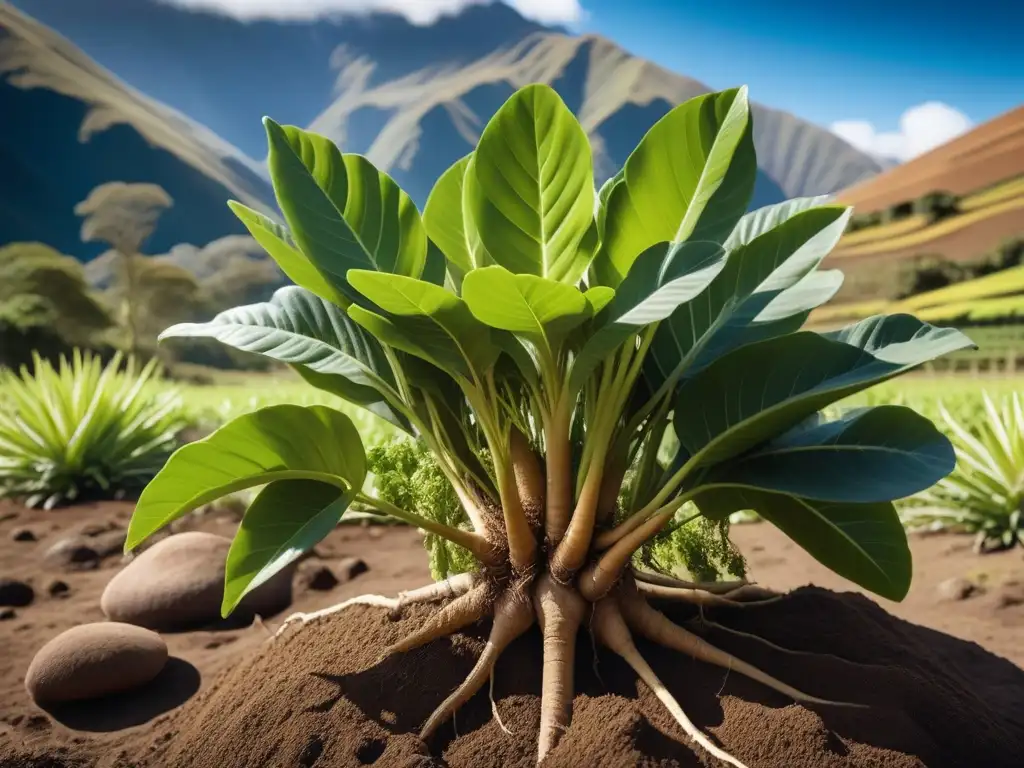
x: 990, y: 153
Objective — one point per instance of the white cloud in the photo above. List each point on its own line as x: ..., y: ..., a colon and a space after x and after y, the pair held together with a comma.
x: 922, y: 128
x: 420, y: 12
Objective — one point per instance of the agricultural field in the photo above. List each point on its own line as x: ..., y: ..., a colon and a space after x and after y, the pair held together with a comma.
x: 916, y: 234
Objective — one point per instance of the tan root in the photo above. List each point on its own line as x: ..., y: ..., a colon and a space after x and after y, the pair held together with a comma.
x: 714, y: 587
x: 380, y: 601
x: 737, y: 598
x: 656, y: 626
x: 560, y: 610
x: 610, y: 628
x: 450, y: 588
x: 513, y: 615
x: 458, y: 614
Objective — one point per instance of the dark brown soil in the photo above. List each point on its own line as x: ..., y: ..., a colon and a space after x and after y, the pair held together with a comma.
x: 316, y: 697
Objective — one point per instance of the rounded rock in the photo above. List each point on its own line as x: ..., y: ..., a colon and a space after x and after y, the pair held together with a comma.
x: 16, y: 594
x: 93, y: 660
x: 23, y: 534
x: 178, y: 583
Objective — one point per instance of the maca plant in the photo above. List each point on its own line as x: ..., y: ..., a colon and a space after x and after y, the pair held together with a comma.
x: 539, y: 338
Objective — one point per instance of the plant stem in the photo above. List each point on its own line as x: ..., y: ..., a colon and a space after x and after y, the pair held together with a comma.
x: 475, y: 543
x: 558, y: 457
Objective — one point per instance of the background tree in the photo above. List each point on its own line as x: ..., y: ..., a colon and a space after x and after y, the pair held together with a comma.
x: 124, y: 216
x: 46, y: 305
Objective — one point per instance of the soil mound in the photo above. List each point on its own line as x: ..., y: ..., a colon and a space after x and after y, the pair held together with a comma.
x: 318, y: 698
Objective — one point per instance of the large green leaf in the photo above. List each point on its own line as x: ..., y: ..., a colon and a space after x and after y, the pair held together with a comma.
x: 281, y: 442
x: 662, y: 279
x: 866, y: 456
x: 763, y: 315
x: 435, y: 268
x: 286, y: 519
x: 297, y: 327
x: 761, y: 390
x: 428, y: 317
x: 770, y: 251
x: 303, y: 330
x: 343, y: 213
x: 444, y: 219
x: 277, y: 241
x: 537, y: 308
x: 691, y: 177
x: 533, y: 201
x: 864, y: 543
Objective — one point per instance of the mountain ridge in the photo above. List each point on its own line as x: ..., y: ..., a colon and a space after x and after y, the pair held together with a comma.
x: 81, y: 127
x: 386, y: 88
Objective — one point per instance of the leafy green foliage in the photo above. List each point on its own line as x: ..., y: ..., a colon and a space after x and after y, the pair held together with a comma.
x: 985, y: 493
x: 406, y: 474
x: 527, y: 312
x: 701, y: 549
x: 83, y: 429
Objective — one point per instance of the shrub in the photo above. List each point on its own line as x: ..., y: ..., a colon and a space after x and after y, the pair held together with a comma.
x: 540, y: 338
x: 984, y: 494
x: 898, y: 212
x: 82, y: 429
x: 407, y: 475
x: 864, y: 221
x: 937, y: 206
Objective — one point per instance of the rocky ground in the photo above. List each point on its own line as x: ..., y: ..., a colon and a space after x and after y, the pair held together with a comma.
x: 63, y: 569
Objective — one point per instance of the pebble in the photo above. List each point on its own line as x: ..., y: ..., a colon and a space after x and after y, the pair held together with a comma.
x: 178, y: 583
x: 317, y: 576
x: 72, y: 553
x: 94, y: 660
x: 1010, y: 594
x: 952, y: 590
x: 23, y: 534
x: 58, y: 588
x: 7, y: 613
x: 16, y: 594
x: 350, y: 567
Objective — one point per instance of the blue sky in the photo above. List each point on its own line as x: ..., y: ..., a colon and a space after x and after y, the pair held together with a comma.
x: 894, y: 77
x: 829, y: 61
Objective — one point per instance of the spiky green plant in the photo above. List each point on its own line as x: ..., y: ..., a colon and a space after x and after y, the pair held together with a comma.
x: 559, y: 332
x: 984, y: 495
x: 83, y: 430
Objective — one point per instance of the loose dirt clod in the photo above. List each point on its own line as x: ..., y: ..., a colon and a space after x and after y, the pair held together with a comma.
x: 322, y: 685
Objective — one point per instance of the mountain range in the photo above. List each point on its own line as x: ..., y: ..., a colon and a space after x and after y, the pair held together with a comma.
x: 182, y: 108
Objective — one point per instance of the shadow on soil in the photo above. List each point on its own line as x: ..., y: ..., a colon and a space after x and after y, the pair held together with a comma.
x: 175, y: 685
x: 917, y: 691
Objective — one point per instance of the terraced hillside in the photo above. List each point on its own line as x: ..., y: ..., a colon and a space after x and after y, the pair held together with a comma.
x: 980, y: 178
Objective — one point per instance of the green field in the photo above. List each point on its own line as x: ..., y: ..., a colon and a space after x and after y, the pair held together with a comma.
x: 235, y: 393
x: 212, y: 404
